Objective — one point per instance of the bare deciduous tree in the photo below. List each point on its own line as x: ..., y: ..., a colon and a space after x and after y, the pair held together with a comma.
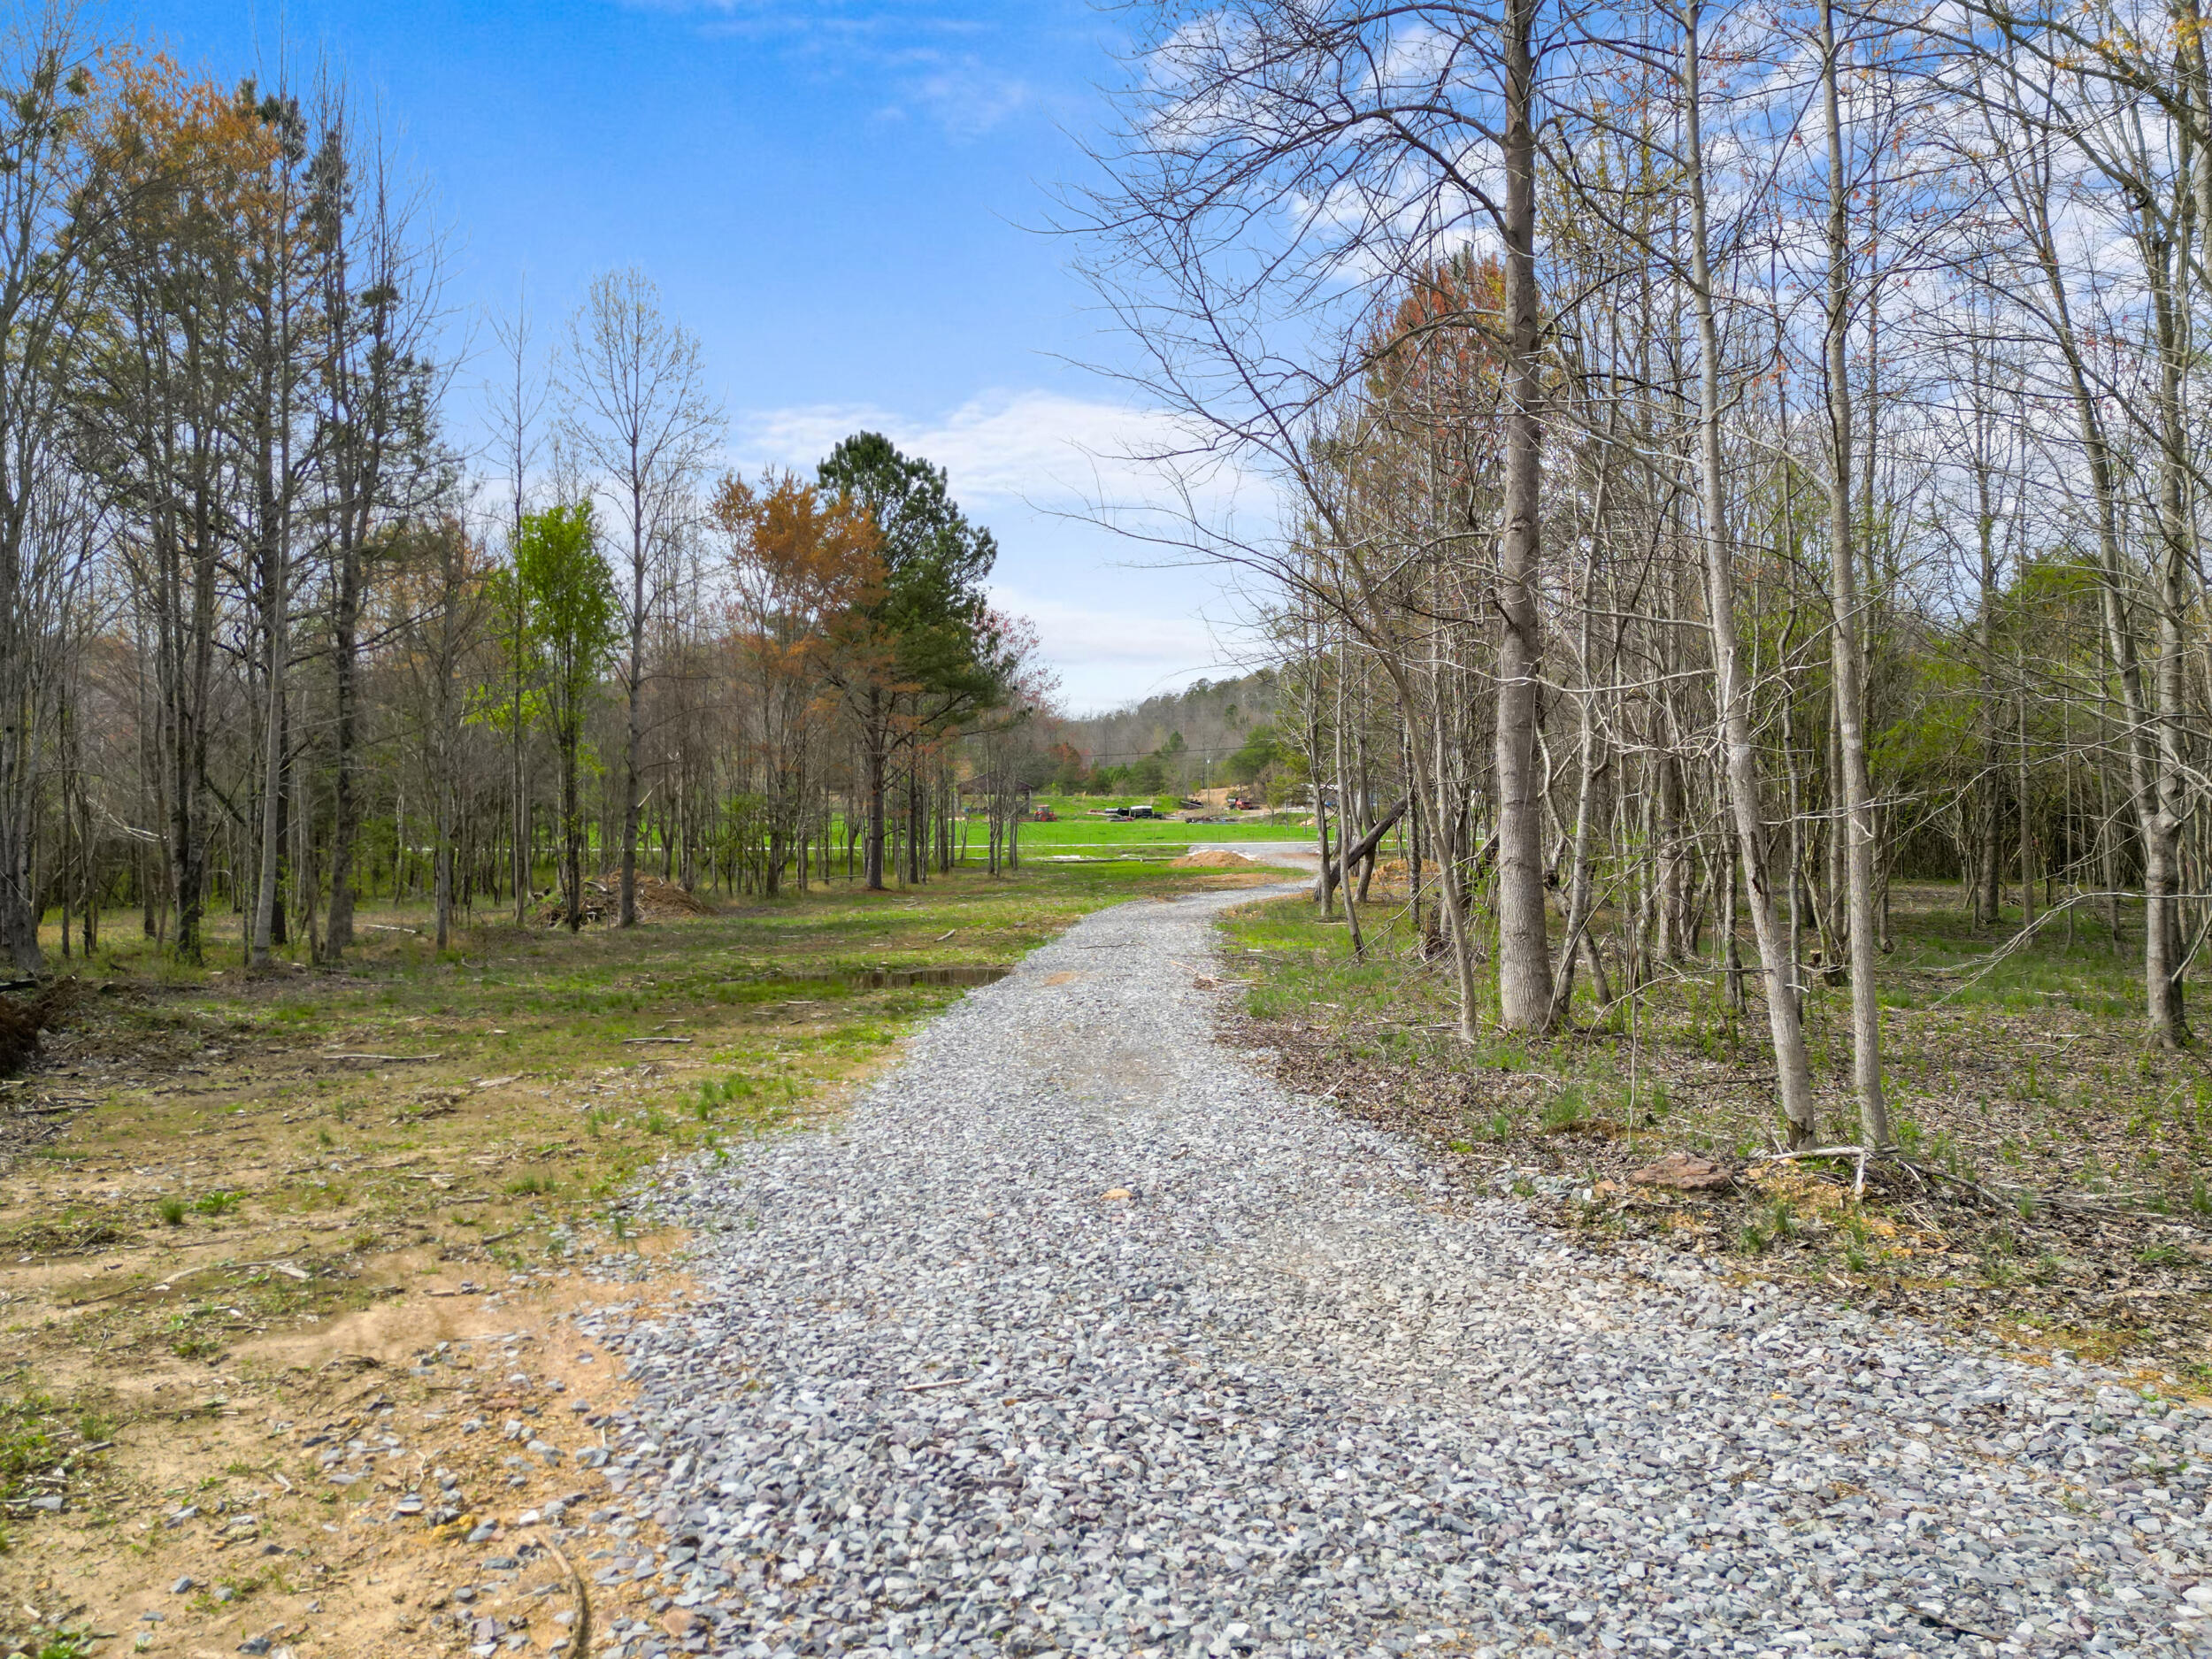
x: 637, y: 414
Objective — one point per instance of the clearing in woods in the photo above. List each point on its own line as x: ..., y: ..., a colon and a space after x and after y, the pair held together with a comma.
x: 285, y: 1260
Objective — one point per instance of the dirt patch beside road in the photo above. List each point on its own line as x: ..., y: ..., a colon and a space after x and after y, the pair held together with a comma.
x: 270, y: 1244
x: 376, y: 1486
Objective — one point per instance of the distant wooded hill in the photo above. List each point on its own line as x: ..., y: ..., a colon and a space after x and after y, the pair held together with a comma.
x: 1182, y: 739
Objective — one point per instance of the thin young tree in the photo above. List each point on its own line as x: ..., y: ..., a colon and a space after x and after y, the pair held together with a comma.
x: 45, y: 284
x: 575, y: 618
x: 637, y: 413
x: 1847, y: 669
x: 1276, y: 180
x: 517, y: 402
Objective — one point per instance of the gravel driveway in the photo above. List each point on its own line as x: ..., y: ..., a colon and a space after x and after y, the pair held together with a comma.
x: 1080, y: 1336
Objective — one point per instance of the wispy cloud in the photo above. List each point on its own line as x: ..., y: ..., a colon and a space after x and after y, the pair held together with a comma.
x: 1107, y: 657
x: 1122, y: 641
x: 923, y: 59
x: 1046, y: 450
x: 967, y: 98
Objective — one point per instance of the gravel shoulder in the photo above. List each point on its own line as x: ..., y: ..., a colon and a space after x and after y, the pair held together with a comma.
x: 1080, y: 1335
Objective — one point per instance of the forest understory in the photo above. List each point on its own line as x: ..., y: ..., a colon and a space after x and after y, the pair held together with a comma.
x: 2051, y: 1196
x: 286, y: 1258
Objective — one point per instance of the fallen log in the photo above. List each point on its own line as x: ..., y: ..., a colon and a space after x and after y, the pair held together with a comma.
x: 1336, y: 869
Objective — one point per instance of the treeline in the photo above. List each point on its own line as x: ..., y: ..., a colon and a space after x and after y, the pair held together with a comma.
x: 270, y: 641
x: 1213, y: 732
x: 1733, y: 456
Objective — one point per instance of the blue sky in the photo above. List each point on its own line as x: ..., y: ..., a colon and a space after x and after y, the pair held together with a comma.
x: 840, y: 199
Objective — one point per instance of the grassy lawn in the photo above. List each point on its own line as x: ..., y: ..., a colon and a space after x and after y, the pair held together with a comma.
x: 2026, y: 1076
x: 1080, y: 834
x: 229, y: 1203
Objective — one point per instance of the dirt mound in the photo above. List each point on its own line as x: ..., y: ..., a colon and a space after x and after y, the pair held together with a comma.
x: 19, y: 1035
x: 657, y: 900
x: 21, y: 1018
x: 1212, y: 858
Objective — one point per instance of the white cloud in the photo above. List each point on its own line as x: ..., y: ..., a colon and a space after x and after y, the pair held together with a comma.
x: 1044, y: 449
x: 1134, y: 638
x: 1106, y: 658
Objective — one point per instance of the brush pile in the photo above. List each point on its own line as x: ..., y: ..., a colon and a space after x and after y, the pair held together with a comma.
x: 657, y: 900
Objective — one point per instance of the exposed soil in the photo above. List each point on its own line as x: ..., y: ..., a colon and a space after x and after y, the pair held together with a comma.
x: 23, y: 1018
x: 252, y: 1223
x: 204, y: 1307
x: 228, y: 1477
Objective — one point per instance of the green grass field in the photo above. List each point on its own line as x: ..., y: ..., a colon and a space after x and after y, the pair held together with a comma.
x: 1080, y: 834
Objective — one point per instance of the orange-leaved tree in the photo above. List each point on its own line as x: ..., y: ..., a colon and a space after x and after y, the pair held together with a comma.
x: 166, y: 222
x: 806, y: 576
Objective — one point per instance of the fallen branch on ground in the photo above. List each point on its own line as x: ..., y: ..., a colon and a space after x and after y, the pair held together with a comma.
x: 580, y: 1639
x: 1996, y: 1197
x: 290, y: 1269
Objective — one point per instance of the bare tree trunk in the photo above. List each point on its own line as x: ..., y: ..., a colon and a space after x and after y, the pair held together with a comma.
x: 1525, y: 999
x: 2146, y: 780
x: 1985, y: 898
x: 1578, y: 877
x: 276, y: 637
x: 877, y: 741
x: 445, y: 714
x: 188, y: 806
x: 2177, y: 459
x: 1858, y: 827
x: 2026, y: 824
x: 345, y: 811
x: 1793, y: 1067
x: 1452, y: 894
x: 517, y: 413
x: 633, y: 756
x: 1345, y: 817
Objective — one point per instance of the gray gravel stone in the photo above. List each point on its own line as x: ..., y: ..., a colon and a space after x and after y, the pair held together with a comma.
x: 1290, y: 1394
